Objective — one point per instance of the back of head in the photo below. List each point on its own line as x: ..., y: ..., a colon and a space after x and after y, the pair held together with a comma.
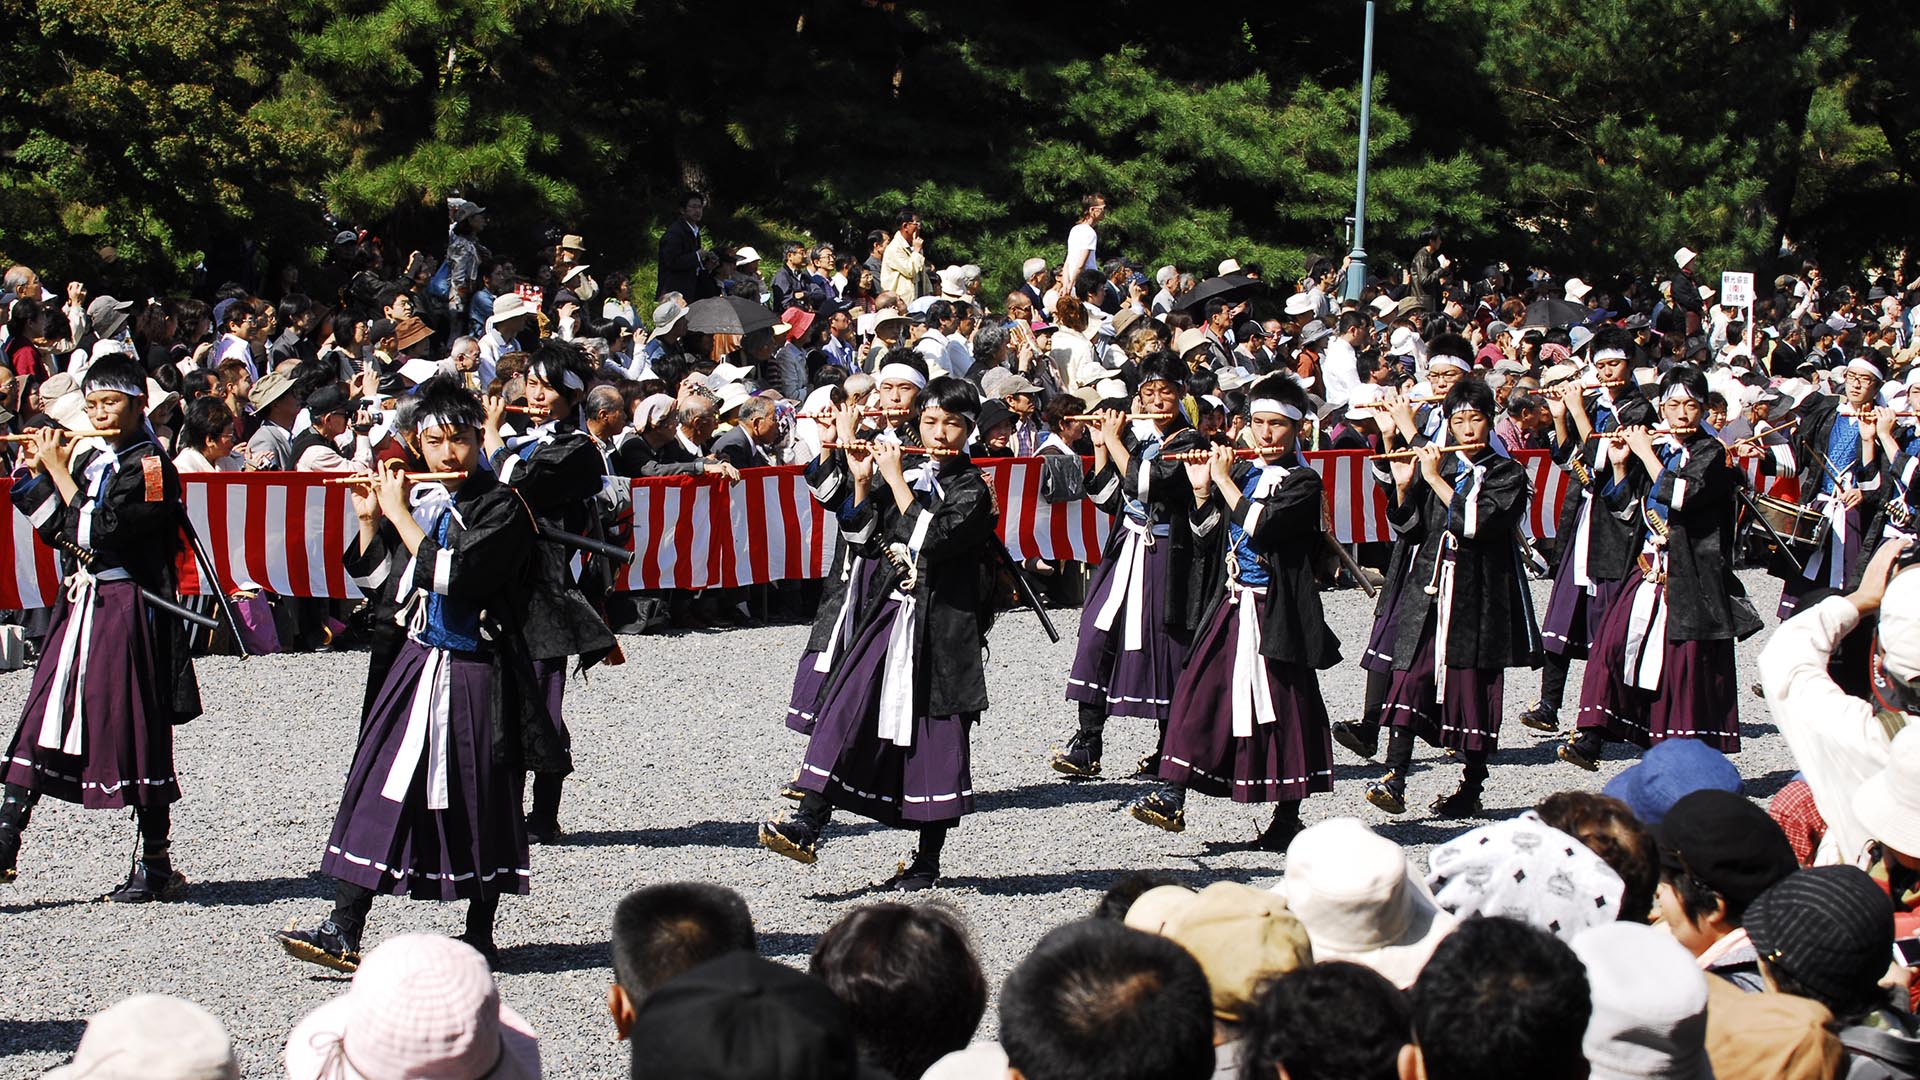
x: 1608, y: 829
x: 909, y: 977
x: 1500, y: 998
x: 1331, y: 1021
x: 663, y: 930
x: 1097, y: 1001
x: 743, y: 1017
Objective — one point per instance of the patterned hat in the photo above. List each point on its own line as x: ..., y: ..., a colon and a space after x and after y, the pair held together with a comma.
x: 1525, y: 869
x: 1829, y: 927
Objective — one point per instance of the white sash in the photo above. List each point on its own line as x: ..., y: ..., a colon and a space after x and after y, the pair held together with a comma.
x: 1252, y: 689
x: 429, y: 730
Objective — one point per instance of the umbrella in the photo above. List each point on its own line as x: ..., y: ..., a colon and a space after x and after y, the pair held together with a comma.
x: 727, y: 315
x: 1232, y: 288
x: 1551, y: 313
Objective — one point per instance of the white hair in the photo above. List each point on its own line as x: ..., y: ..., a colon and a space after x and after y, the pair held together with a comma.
x: 1165, y: 276
x: 460, y: 342
x: 1031, y: 267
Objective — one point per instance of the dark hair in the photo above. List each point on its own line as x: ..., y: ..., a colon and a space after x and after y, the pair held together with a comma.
x: 1612, y: 337
x: 1119, y: 897
x: 662, y: 930
x: 1281, y: 387
x: 953, y: 395
x: 906, y: 216
x: 1213, y: 307
x: 292, y: 306
x: 939, y: 311
x: 1162, y: 367
x: 1202, y: 382
x: 1087, y: 201
x: 1350, y: 321
x: 1451, y: 345
x: 877, y: 236
x: 1365, y: 364
x: 553, y: 359
x: 1688, y: 376
x: 206, y: 418
x: 1058, y: 409
x: 1088, y: 284
x: 687, y: 195
x: 1429, y: 235
x: 1095, y: 1000
x: 443, y: 396
x: 1608, y: 829
x: 910, y: 980
x: 1501, y: 998
x: 1472, y: 394
x: 1331, y: 1021
x: 235, y: 312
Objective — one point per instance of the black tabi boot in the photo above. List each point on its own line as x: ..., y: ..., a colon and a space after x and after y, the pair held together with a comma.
x: 798, y: 838
x: 922, y: 872
x: 153, y: 877
x: 543, y: 821
x: 1165, y: 808
x: 16, y: 806
x: 1389, y: 793
x: 479, y: 932
x: 1279, y: 832
x: 1465, y: 801
x: 1360, y: 736
x: 1583, y: 748
x: 335, y: 943
x: 1081, y: 758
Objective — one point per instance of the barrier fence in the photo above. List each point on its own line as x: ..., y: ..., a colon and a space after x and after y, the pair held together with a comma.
x: 285, y: 531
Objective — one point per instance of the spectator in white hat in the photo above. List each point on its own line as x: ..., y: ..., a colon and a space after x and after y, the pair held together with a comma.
x: 152, y: 1037
x: 420, y: 1006
x: 1361, y: 900
x: 1649, y: 1005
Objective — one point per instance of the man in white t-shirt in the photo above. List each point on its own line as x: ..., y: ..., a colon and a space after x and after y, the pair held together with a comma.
x: 1083, y: 242
x: 1340, y: 364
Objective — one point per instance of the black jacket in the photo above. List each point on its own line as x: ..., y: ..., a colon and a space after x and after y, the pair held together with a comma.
x: 956, y: 571
x: 1286, y: 534
x: 1615, y: 531
x: 557, y: 480
x: 1705, y: 601
x: 1492, y: 623
x: 135, y: 526
x: 489, y: 551
x: 1169, y: 502
x: 679, y: 265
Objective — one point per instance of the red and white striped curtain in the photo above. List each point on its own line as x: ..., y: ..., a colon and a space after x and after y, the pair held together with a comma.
x: 285, y: 532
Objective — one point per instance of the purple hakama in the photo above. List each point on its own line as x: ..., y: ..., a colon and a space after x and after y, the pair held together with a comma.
x: 125, y: 750
x: 1129, y: 682
x: 1574, y: 616
x: 1282, y: 761
x: 1470, y: 717
x: 406, y: 848
x: 1698, y: 695
x: 852, y: 767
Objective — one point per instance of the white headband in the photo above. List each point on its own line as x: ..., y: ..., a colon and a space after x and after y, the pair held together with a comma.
x: 1444, y: 360
x: 567, y: 378
x: 1274, y: 405
x: 900, y: 373
x: 1677, y: 392
x: 422, y: 423
x: 1866, y: 367
x: 1609, y: 354
x: 116, y: 385
x: 1464, y: 405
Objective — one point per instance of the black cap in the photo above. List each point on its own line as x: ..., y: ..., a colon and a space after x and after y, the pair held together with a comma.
x: 328, y: 400
x: 1830, y: 928
x: 993, y: 411
x: 1248, y: 330
x: 381, y: 330
x: 747, y: 1018
x: 1726, y: 843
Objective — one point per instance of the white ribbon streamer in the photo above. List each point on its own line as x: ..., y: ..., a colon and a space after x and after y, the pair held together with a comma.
x: 429, y: 731
x: 61, y: 729
x: 1647, y: 634
x: 1252, y: 689
x: 1443, y: 622
x: 1129, y: 586
x: 896, y: 680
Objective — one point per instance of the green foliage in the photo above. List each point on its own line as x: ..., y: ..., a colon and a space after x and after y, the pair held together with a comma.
x: 1599, y: 132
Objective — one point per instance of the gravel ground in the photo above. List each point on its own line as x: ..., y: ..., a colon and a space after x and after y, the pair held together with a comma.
x: 679, y: 753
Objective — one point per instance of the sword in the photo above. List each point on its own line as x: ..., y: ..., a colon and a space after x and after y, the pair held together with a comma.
x: 205, y: 562
x: 1779, y: 541
x: 585, y: 543
x: 1023, y: 586
x: 153, y: 599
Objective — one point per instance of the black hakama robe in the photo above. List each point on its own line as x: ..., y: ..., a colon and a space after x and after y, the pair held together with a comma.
x: 1248, y: 722
x: 115, y: 676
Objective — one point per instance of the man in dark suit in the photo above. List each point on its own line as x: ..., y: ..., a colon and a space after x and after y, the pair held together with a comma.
x: 685, y: 266
x: 745, y: 447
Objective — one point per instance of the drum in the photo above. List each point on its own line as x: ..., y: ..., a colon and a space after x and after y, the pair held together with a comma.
x: 1802, y: 528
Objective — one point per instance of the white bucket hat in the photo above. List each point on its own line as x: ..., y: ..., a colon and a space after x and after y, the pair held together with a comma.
x: 152, y: 1037
x: 1888, y: 804
x: 1362, y: 900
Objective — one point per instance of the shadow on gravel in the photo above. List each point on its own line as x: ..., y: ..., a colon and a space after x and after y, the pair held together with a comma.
x: 40, y: 1036
x: 1096, y: 881
x: 731, y: 834
x: 257, y: 891
x: 547, y: 959
x: 37, y: 905
x: 1050, y: 793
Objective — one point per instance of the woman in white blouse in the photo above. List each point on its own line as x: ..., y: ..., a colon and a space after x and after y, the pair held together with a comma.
x: 208, y: 438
